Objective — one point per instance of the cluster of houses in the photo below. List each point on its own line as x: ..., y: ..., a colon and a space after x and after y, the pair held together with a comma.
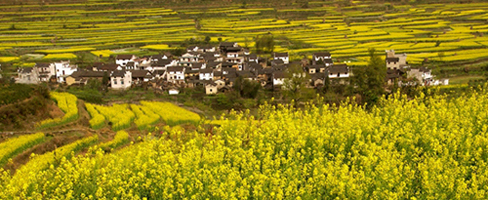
x: 397, y: 67
x: 214, y: 68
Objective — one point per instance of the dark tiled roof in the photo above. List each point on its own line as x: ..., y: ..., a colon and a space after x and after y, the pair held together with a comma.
x: 278, y: 75
x: 197, y: 65
x: 87, y: 74
x: 226, y: 44
x: 234, y: 49
x: 277, y: 62
x: 212, y: 64
x: 340, y: 68
x: 175, y: 69
x: 392, y: 59
x: 109, y: 67
x: 280, y: 54
x: 163, y: 62
x: 159, y: 72
x: 321, y: 54
x: 26, y: 70
x: 42, y: 64
x: 139, y: 73
x: 207, y: 70
x: 118, y: 73
x: 124, y: 57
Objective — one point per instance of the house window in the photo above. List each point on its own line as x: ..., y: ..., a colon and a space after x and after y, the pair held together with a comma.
x: 210, y: 90
x: 115, y: 81
x: 338, y: 74
x: 122, y: 81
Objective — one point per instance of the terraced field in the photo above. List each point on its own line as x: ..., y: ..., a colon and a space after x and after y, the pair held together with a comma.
x: 62, y: 31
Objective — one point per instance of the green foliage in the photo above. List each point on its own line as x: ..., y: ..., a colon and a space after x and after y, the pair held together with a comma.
x: 295, y: 84
x: 11, y: 93
x: 246, y: 88
x: 369, y: 80
x: 264, y: 43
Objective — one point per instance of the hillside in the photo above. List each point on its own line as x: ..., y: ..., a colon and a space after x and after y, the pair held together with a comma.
x: 428, y: 147
x: 444, y: 37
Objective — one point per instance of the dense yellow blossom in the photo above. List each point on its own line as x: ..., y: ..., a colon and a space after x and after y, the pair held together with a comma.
x: 16, y: 145
x: 68, y: 104
x: 430, y: 147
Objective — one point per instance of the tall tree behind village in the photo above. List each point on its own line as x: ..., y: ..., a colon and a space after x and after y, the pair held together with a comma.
x: 369, y: 80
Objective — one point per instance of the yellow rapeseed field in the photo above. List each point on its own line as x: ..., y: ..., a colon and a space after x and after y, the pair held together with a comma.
x: 431, y: 147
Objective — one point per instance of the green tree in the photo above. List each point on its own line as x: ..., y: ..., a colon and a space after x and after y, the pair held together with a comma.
x: 246, y: 88
x: 207, y: 39
x: 264, y: 43
x: 369, y: 80
x: 105, y: 80
x: 295, y: 84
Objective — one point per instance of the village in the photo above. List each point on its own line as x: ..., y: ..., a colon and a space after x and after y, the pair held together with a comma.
x: 216, y: 69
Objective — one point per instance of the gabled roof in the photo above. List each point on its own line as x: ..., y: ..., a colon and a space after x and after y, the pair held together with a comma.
x: 392, y: 59
x: 42, y: 64
x: 255, y: 66
x: 159, y: 72
x: 315, y: 66
x: 328, y: 61
x: 206, y: 70
x: 212, y: 64
x: 109, y: 67
x: 278, y: 75
x: 123, y: 57
x: 98, y: 64
x: 197, y: 65
x: 175, y: 69
x: 162, y: 62
x: 280, y: 54
x: 227, y: 64
x: 233, y: 49
x: 340, y: 68
x: 253, y: 56
x: 118, y: 73
x: 317, y: 76
x: 25, y: 70
x: 277, y: 62
x: 227, y: 44
x: 141, y: 74
x: 130, y: 64
x: 321, y: 54
x: 87, y: 74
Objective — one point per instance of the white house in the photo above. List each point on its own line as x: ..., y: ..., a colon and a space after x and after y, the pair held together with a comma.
x: 322, y: 56
x: 173, y: 91
x: 282, y: 56
x: 45, y: 71
x: 206, y: 74
x: 27, y: 75
x: 175, y: 74
x: 121, y: 79
x: 63, y: 70
x: 122, y: 60
x: 338, y: 71
x: 395, y: 61
x: 211, y: 88
x: 162, y: 64
x: 220, y: 83
x: 187, y: 59
x: 278, y: 78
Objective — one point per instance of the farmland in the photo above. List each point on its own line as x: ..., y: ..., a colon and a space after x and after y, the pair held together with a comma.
x: 421, y: 30
x: 422, y: 148
x: 139, y: 144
